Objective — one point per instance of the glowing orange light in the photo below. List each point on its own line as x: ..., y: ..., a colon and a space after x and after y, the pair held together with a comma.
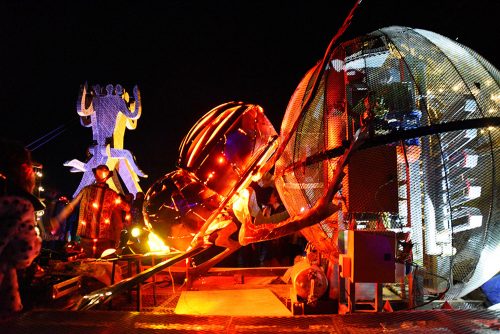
x: 95, y: 240
x: 156, y: 244
x: 136, y: 231
x: 83, y: 223
x: 106, y: 220
x: 95, y: 205
x: 127, y: 216
x: 104, y: 174
x: 221, y: 160
x: 118, y: 200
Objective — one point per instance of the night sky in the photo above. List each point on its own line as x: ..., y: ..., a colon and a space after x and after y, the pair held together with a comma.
x: 186, y: 57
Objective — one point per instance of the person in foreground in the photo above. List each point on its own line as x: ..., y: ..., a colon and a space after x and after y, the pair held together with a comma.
x: 20, y: 244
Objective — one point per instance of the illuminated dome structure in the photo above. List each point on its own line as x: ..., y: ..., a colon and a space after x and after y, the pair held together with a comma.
x: 430, y: 167
x: 177, y: 206
x: 219, y: 156
x: 227, y: 145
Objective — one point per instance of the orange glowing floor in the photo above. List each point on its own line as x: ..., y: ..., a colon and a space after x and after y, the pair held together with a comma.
x: 248, y: 302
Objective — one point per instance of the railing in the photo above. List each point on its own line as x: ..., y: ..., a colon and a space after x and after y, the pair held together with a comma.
x: 105, y: 295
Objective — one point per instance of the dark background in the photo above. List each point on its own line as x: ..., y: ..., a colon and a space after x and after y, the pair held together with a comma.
x: 186, y: 57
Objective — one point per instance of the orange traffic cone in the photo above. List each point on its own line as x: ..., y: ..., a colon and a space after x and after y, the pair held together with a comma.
x: 387, y: 307
x: 446, y: 306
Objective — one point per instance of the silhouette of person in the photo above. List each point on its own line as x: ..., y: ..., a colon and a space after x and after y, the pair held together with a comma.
x: 136, y: 209
x: 125, y: 211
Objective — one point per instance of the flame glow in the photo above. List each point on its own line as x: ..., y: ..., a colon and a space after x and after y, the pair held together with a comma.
x: 156, y: 244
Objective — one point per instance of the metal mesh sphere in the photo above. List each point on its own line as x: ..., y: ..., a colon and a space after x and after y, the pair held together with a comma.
x: 442, y: 182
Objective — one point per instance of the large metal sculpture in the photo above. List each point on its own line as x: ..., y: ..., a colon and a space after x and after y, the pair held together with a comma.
x: 403, y: 120
x: 422, y: 100
x: 109, y: 112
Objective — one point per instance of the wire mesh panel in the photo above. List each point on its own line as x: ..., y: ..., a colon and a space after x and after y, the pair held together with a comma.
x: 440, y: 321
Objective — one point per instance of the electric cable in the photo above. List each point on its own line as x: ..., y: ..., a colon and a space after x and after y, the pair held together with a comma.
x: 36, y: 144
x: 439, y: 295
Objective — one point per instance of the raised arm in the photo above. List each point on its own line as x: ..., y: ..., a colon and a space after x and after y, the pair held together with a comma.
x: 55, y: 222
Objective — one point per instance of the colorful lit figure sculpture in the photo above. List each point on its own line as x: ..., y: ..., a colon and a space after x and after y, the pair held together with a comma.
x: 108, y: 112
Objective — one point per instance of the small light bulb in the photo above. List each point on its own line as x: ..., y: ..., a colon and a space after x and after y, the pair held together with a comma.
x: 135, y: 232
